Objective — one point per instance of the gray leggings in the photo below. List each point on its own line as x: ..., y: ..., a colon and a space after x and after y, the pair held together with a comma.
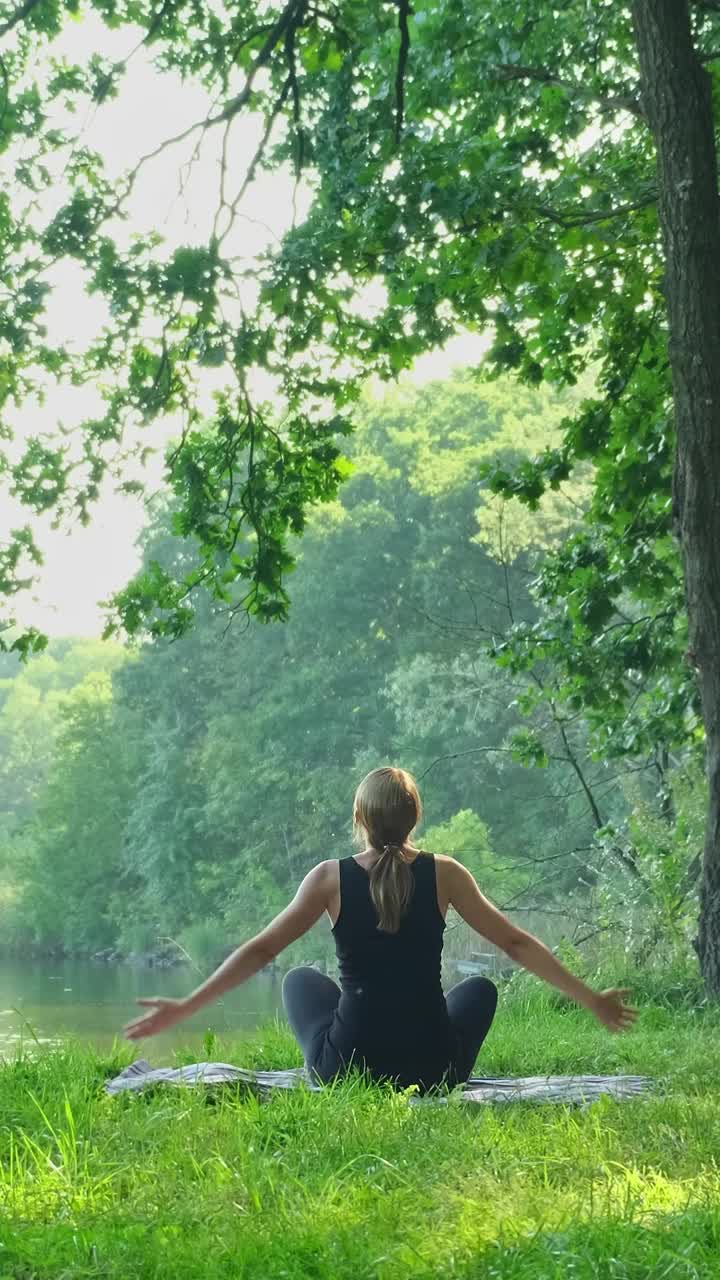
x: 311, y: 998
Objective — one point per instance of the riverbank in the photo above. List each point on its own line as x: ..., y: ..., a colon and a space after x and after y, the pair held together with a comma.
x: 170, y: 956
x: 158, y: 958
x: 354, y: 1183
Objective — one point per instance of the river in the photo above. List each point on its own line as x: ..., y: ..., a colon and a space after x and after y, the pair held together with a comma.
x: 47, y: 1001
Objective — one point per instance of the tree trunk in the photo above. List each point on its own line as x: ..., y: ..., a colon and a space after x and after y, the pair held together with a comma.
x: 677, y: 100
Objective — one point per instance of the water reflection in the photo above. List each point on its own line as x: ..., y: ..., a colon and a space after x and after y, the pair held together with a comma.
x: 45, y: 1001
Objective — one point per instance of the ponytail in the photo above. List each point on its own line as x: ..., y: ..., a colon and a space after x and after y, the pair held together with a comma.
x: 386, y: 811
x: 391, y: 886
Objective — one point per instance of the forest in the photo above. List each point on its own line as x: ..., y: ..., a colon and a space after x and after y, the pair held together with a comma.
x: 508, y: 582
x: 171, y: 794
x: 232, y: 237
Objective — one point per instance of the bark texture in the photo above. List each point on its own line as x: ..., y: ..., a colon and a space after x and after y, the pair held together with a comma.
x: 677, y: 102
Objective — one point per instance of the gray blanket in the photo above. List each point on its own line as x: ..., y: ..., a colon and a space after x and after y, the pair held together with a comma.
x: 564, y: 1089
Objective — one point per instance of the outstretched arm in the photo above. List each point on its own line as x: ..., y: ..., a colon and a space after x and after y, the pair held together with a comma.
x: 527, y: 950
x: 302, y: 913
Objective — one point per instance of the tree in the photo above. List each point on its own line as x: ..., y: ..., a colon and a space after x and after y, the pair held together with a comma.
x: 678, y: 97
x: 32, y: 699
x: 237, y: 751
x: 72, y: 867
x: 451, y: 171
x: 354, y: 103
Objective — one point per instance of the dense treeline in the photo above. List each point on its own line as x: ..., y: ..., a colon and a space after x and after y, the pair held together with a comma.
x: 182, y: 790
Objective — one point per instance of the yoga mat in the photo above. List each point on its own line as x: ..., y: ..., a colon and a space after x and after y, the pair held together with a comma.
x: 577, y: 1090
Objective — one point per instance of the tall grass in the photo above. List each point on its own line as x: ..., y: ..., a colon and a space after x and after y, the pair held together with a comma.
x: 354, y: 1182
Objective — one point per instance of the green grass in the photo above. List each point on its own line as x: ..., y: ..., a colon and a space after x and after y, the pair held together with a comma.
x: 354, y: 1183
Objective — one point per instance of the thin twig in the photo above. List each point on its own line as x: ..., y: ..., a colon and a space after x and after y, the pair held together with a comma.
x: 456, y: 755
x: 603, y: 928
x: 290, y: 14
x: 252, y: 168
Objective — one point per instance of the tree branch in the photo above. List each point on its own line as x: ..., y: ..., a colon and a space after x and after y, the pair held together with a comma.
x: 529, y: 889
x: 290, y: 18
x: 551, y: 857
x: 564, y: 219
x: 603, y: 928
x: 456, y: 755
x: 404, y: 12
x: 626, y: 859
x: 575, y: 766
x: 19, y: 15
x: 617, y: 102
x: 252, y: 167
x: 5, y: 92
x: 582, y: 219
x: 294, y: 87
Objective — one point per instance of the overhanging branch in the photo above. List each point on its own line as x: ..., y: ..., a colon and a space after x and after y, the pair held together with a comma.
x: 404, y: 12
x: 18, y: 16
x: 613, y: 102
x: 289, y: 21
x: 294, y: 86
x: 586, y: 217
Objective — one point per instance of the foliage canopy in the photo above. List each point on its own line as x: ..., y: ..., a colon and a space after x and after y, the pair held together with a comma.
x: 452, y: 171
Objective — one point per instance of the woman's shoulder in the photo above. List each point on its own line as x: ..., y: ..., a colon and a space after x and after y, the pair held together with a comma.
x: 324, y: 874
x: 328, y: 868
x: 440, y: 859
x: 447, y: 868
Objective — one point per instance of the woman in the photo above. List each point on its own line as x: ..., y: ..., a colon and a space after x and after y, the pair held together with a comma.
x: 387, y: 906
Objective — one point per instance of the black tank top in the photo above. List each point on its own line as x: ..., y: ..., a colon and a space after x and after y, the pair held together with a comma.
x: 392, y: 1019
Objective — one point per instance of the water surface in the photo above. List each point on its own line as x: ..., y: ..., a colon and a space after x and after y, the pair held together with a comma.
x: 49, y: 1000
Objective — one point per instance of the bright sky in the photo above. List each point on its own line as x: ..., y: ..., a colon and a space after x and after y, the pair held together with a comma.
x: 84, y: 566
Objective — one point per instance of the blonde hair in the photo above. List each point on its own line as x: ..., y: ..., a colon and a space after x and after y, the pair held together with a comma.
x: 386, y: 810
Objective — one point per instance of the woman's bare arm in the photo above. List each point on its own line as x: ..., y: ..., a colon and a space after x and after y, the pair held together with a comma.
x: 303, y: 912
x: 527, y: 950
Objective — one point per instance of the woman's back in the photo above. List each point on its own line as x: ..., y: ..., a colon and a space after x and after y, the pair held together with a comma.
x: 392, y: 1016
x: 389, y: 962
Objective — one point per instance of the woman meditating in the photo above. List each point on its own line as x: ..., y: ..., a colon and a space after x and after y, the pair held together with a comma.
x: 387, y: 905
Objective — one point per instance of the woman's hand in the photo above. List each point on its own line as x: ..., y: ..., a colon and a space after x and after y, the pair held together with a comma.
x: 163, y: 1014
x: 311, y: 900
x: 609, y: 1008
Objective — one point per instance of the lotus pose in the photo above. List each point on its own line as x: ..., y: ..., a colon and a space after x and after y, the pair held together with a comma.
x: 387, y: 905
